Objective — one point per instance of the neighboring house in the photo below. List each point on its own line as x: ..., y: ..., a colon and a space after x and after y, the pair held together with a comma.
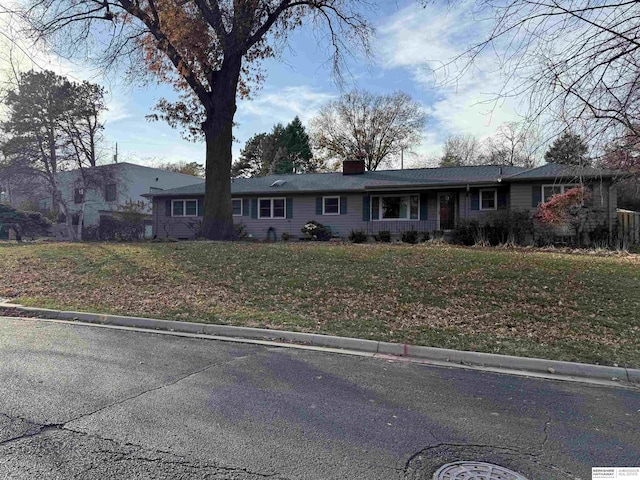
x: 424, y: 199
x: 114, y: 185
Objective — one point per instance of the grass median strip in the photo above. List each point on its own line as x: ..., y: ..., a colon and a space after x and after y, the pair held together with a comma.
x: 556, y: 306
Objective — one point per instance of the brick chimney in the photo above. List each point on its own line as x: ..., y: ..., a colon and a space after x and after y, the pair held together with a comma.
x: 353, y: 167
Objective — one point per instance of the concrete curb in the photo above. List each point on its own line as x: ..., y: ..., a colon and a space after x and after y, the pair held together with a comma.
x: 473, y: 359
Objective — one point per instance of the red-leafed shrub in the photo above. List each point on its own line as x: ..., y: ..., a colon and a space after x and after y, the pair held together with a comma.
x: 562, y: 209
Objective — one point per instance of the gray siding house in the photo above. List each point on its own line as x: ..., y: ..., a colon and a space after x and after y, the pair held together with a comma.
x: 424, y: 199
x: 119, y: 184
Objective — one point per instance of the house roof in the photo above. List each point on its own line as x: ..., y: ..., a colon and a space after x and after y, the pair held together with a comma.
x: 129, y: 165
x: 393, y: 179
x: 337, y: 182
x: 553, y: 171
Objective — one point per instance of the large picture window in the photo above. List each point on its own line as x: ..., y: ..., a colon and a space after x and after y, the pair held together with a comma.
x: 271, y: 208
x: 184, y: 208
x: 393, y: 207
x: 549, y: 191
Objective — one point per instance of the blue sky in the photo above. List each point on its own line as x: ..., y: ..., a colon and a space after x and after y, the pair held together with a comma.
x: 410, y: 42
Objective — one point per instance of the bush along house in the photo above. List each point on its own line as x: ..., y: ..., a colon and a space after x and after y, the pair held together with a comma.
x: 438, y: 201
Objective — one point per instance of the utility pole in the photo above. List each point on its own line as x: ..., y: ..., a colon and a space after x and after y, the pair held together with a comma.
x: 115, y: 157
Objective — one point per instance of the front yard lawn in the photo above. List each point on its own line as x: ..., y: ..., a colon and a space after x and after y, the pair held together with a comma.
x: 557, y: 306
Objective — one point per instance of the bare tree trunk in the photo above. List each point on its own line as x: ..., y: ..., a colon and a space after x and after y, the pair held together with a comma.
x: 217, y: 222
x: 80, y: 222
x: 62, y: 205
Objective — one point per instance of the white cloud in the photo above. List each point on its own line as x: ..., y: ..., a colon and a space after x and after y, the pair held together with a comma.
x: 424, y: 41
x: 117, y: 110
x: 284, y: 104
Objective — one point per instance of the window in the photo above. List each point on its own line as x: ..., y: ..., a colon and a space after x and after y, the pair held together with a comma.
x: 550, y: 190
x: 237, y: 207
x: 110, y: 192
x: 271, y: 208
x: 78, y: 195
x: 184, y: 208
x: 396, y: 207
x: 331, y: 206
x: 488, y: 199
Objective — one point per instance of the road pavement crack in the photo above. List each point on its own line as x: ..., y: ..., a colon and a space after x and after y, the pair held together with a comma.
x: 137, y: 395
x: 39, y: 429
x: 545, y: 430
x: 138, y: 453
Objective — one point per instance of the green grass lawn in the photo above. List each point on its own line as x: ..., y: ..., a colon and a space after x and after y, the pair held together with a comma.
x: 566, y: 307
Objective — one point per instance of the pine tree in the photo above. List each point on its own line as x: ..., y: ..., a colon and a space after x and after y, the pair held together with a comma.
x: 568, y: 149
x: 298, y: 149
x: 284, y: 150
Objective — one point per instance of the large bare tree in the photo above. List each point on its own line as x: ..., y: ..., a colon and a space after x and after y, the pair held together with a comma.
x: 513, y: 144
x: 376, y: 127
x: 577, y: 61
x: 53, y: 125
x: 209, y: 50
x: 461, y: 150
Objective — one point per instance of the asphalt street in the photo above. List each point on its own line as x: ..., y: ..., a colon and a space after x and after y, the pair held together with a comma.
x: 94, y: 403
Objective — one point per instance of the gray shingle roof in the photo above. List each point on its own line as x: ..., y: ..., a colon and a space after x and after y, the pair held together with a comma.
x: 556, y: 171
x: 337, y: 182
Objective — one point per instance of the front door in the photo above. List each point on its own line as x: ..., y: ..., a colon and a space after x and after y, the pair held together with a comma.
x: 446, y: 211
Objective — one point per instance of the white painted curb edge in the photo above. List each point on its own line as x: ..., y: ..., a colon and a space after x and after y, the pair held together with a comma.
x: 490, y: 360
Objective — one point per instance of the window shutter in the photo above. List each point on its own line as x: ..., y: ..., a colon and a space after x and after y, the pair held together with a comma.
x: 200, y: 207
x: 536, y: 195
x: 366, y: 208
x: 424, y: 205
x: 503, y: 198
x: 475, y: 199
x: 254, y: 208
x: 375, y: 212
x: 289, y: 207
x: 343, y: 205
x: 246, y: 207
x: 167, y: 208
x: 318, y: 205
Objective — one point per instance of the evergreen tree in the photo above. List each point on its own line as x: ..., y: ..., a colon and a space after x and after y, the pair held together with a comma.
x: 568, y: 149
x: 283, y: 151
x: 298, y: 156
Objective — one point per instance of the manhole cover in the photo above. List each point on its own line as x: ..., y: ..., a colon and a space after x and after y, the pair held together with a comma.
x: 475, y: 471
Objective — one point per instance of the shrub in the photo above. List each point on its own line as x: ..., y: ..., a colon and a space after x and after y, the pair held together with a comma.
x: 90, y: 232
x: 561, y: 208
x: 425, y: 236
x: 116, y: 228
x: 125, y: 224
x: 285, y: 236
x: 599, y: 236
x: 358, y: 236
x: 409, y: 236
x: 383, y: 236
x: 27, y: 224
x: 241, y: 231
x: 316, y: 231
x: 464, y: 233
x: 496, y: 228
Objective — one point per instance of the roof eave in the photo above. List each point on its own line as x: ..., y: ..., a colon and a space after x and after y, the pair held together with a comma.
x: 557, y: 177
x: 439, y: 186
